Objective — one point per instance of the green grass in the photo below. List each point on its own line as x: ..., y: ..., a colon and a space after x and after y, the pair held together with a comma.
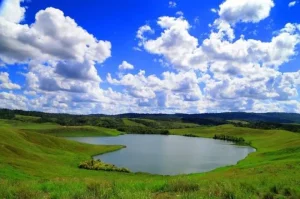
x: 128, y: 122
x: 35, y: 165
x: 25, y: 118
x: 238, y: 121
x: 58, y: 130
x: 75, y: 131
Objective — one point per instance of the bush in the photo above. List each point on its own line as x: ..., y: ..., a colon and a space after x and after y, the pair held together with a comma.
x: 238, y: 140
x: 98, y: 165
x: 190, y: 135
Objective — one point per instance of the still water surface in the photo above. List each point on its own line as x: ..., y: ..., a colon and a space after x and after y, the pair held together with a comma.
x: 169, y: 155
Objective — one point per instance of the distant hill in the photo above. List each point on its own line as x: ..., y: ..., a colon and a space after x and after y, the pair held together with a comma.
x: 207, y: 118
x: 253, y: 117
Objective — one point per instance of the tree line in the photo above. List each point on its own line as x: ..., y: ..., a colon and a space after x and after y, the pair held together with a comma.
x: 237, y: 140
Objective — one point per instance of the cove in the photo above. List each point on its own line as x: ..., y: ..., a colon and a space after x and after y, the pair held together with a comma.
x: 169, y: 155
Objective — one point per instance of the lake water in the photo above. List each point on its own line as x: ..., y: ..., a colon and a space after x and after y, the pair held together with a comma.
x: 169, y: 155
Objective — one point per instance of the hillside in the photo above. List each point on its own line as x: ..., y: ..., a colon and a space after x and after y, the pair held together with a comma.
x: 34, y: 165
x: 263, y: 117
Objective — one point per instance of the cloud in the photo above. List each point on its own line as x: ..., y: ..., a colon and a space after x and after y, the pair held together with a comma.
x: 61, y: 58
x: 244, y: 69
x: 292, y: 3
x: 179, y: 13
x: 172, y: 4
x: 12, y: 11
x: 77, y: 70
x: 183, y: 51
x: 183, y: 85
x: 233, y: 11
x: 5, y: 82
x: 267, y: 106
x: 136, y: 48
x: 13, y: 101
x: 69, y: 51
x: 258, y: 83
x: 271, y: 54
x: 222, y: 72
x: 126, y: 66
x: 176, y: 44
x: 52, y: 36
x: 214, y: 10
x: 141, y: 31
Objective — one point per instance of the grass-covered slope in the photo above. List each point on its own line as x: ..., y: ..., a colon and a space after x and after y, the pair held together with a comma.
x: 35, y: 165
x: 59, y: 130
x: 32, y: 153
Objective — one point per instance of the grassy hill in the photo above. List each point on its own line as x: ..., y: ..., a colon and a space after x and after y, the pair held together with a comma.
x: 59, y: 130
x: 35, y: 165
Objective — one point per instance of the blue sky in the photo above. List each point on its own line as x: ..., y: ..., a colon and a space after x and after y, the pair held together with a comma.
x: 150, y: 56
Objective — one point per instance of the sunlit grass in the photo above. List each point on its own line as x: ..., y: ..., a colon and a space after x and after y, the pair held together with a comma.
x: 35, y: 165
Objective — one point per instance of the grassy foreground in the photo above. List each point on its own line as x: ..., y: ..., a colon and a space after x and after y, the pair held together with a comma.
x: 36, y: 165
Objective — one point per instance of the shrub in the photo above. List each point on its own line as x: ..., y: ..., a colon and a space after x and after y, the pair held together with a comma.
x: 238, y: 140
x: 98, y: 165
x: 190, y: 135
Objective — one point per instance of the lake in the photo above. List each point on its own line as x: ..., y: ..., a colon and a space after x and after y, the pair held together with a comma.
x: 169, y: 155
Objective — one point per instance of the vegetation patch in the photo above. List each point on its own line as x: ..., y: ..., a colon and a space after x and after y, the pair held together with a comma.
x: 35, y: 165
x: 142, y: 130
x: 79, y: 131
x: 190, y: 135
x: 237, y: 140
x: 98, y: 165
x: 270, y: 125
x: 163, y: 124
x: 181, y: 185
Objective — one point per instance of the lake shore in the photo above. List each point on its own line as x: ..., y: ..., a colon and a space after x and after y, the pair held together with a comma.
x: 46, y: 165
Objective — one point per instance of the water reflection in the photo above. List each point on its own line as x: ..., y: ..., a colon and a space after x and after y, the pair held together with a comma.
x: 169, y: 155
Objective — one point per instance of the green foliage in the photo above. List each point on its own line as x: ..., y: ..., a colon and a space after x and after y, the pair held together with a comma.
x: 98, y: 165
x: 237, y: 140
x: 129, y: 122
x: 190, y: 135
x: 142, y: 130
x: 163, y: 124
x: 268, y: 126
x: 25, y: 118
x: 6, y: 114
x: 204, y: 121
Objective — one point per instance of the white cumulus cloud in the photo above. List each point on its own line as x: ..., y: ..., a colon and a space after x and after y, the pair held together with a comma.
x: 292, y: 3
x: 5, y: 82
x: 234, y: 11
x: 126, y: 66
x: 11, y: 10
